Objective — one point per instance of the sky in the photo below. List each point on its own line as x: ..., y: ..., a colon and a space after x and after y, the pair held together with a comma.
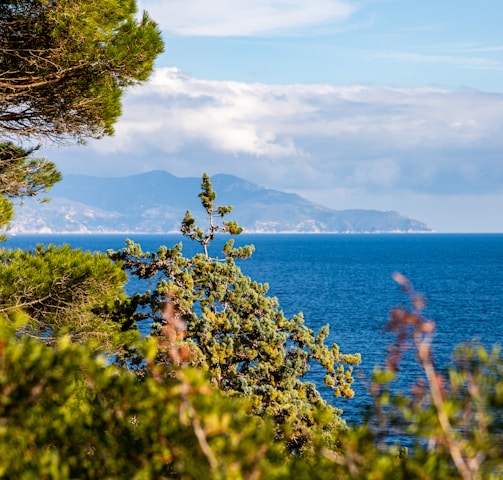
x: 372, y: 104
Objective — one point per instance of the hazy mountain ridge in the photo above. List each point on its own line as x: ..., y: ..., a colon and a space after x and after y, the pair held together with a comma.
x: 156, y: 202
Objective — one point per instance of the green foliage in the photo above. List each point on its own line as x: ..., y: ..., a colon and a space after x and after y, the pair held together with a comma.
x: 22, y: 176
x: 222, y: 393
x: 239, y: 334
x: 64, y: 414
x: 192, y: 231
x: 64, y: 290
x: 65, y: 64
x: 6, y: 213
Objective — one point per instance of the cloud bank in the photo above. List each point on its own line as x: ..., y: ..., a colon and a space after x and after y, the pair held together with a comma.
x: 426, y: 140
x: 422, y: 151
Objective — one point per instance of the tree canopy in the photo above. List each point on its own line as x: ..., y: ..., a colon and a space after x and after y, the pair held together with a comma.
x: 63, y: 68
x: 61, y: 290
x: 232, y: 329
x: 64, y: 65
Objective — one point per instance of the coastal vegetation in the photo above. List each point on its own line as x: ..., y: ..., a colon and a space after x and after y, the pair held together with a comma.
x: 228, y: 326
x: 21, y: 176
x: 217, y: 389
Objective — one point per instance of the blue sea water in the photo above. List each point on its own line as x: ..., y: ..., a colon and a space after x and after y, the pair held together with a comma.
x: 346, y: 281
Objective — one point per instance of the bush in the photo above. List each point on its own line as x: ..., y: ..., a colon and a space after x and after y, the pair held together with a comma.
x: 65, y: 291
x: 65, y: 414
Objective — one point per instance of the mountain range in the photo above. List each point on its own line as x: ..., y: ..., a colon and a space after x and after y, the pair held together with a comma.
x: 156, y: 202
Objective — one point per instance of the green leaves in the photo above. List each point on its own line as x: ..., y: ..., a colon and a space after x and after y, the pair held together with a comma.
x: 63, y: 290
x: 208, y: 196
x: 87, y: 53
x: 237, y: 332
x: 64, y: 414
x: 192, y: 231
x: 64, y: 66
x: 6, y: 213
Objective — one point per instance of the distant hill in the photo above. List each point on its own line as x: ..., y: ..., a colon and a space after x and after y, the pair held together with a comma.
x: 155, y: 202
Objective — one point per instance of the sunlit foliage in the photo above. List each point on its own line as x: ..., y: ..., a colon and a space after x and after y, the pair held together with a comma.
x: 65, y: 414
x: 61, y: 290
x: 64, y: 65
x: 238, y: 333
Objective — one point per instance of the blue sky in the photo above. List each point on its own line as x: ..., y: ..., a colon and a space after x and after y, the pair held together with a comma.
x: 375, y: 104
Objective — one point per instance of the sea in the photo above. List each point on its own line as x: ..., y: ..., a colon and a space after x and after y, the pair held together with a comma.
x: 346, y: 281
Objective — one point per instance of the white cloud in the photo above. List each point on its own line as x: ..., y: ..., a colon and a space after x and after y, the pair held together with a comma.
x: 245, y: 17
x: 318, y: 137
x: 223, y: 116
x: 345, y: 147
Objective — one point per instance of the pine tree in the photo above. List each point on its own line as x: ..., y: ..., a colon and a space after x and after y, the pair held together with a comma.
x: 64, y: 65
x: 61, y: 290
x: 238, y: 333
